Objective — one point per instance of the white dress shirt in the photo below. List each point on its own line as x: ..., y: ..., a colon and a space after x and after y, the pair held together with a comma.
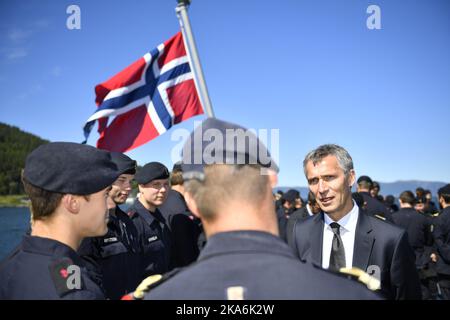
x: 347, y: 231
x: 308, y: 208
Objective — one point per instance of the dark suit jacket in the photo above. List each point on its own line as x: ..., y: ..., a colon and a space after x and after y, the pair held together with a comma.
x: 377, y: 243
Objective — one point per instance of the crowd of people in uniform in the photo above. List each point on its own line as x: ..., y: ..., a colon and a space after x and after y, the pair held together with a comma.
x: 217, y: 231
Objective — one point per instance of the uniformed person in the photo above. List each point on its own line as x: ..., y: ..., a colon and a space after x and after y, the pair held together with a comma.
x: 184, y: 227
x: 283, y: 213
x: 115, y: 257
x: 244, y: 258
x: 373, y: 206
x: 305, y: 212
x: 67, y: 184
x: 153, y: 231
x: 419, y: 235
x: 442, y: 240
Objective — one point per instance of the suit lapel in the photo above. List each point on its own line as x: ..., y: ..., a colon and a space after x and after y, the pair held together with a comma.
x: 316, y: 239
x: 363, y: 242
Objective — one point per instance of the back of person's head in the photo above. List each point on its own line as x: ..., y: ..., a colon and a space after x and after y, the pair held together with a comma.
x: 390, y: 199
x: 419, y: 192
x: 407, y: 197
x: 225, y: 184
x: 176, y: 176
x: 364, y: 182
x: 290, y: 196
x: 230, y: 168
x: 444, y: 193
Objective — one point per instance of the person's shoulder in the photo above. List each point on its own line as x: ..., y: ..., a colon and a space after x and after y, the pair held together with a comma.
x: 132, y: 212
x: 308, y: 221
x: 384, y: 227
x: 147, y: 288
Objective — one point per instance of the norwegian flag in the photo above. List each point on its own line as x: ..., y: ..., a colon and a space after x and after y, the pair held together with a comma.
x: 145, y: 99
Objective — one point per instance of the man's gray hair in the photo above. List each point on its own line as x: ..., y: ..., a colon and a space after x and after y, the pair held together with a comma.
x: 343, y: 157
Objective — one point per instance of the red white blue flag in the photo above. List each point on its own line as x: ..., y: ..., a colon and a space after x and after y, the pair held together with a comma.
x: 145, y: 99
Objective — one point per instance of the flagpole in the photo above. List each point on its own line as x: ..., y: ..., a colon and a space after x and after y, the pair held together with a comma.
x: 192, y: 53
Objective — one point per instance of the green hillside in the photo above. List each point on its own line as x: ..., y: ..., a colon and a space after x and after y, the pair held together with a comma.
x: 15, y: 145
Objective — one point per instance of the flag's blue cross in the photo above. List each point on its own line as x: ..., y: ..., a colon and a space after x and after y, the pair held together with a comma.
x: 148, y: 89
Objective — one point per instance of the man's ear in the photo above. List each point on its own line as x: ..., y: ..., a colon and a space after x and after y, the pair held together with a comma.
x: 351, y: 177
x: 71, y: 203
x: 273, y: 178
x: 192, y: 205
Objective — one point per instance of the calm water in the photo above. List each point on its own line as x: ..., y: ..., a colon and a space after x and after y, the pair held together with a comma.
x: 14, y: 222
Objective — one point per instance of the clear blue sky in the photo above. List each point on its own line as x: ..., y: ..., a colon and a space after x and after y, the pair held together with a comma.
x: 309, y: 68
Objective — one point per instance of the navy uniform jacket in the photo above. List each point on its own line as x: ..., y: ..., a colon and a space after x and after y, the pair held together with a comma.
x: 377, y: 243
x: 154, y: 239
x: 282, y: 221
x: 254, y: 265
x: 116, y: 256
x: 184, y: 231
x: 441, y: 236
x: 375, y: 207
x: 39, y: 269
x: 418, y: 230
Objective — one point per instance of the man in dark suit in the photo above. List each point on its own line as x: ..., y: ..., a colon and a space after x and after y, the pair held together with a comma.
x: 345, y: 236
x: 185, y: 228
x: 374, y: 206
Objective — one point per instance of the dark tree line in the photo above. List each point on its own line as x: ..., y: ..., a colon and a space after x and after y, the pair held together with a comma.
x: 15, y: 145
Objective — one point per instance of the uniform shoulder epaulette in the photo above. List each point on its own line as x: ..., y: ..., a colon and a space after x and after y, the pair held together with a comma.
x: 60, y: 272
x: 371, y: 282
x: 379, y: 217
x: 149, y: 283
x: 131, y: 213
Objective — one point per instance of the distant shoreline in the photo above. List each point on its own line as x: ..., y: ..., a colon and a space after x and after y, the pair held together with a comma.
x: 14, y: 201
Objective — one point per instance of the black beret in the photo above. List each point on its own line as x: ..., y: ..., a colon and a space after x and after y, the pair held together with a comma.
x: 67, y: 167
x: 421, y: 199
x: 444, y: 190
x: 124, y: 163
x: 177, y: 167
x: 365, y: 179
x: 291, y: 195
x: 208, y: 144
x: 151, y: 171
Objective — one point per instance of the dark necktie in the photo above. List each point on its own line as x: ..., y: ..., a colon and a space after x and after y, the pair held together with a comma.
x: 337, y: 257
